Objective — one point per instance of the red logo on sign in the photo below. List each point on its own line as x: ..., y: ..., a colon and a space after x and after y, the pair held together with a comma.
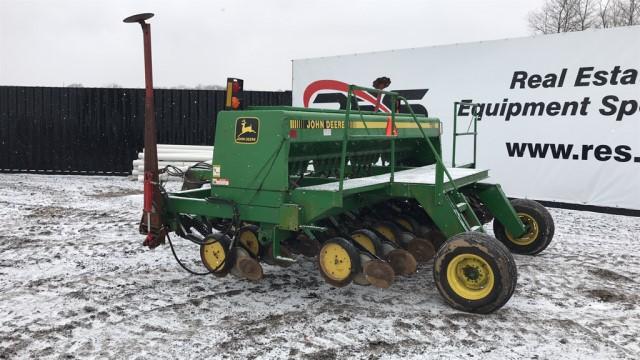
x: 336, y: 85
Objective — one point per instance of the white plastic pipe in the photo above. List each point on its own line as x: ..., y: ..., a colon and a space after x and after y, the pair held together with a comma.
x: 163, y: 177
x: 183, y: 147
x: 169, y: 151
x: 163, y: 153
x: 183, y: 167
x: 162, y: 163
x: 195, y: 157
x: 181, y: 156
x: 141, y: 171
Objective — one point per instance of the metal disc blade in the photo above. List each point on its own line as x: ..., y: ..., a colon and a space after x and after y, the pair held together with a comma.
x: 421, y: 249
x: 250, y: 268
x: 378, y: 273
x: 402, y: 262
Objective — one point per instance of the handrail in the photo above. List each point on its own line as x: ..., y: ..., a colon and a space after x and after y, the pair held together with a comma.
x: 394, y: 99
x: 347, y: 126
x: 440, y: 168
x: 345, y: 139
x: 456, y: 133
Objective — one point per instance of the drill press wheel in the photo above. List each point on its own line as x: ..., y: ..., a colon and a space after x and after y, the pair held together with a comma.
x: 388, y: 231
x: 367, y: 240
x: 215, y: 254
x: 247, y: 237
x: 338, y: 261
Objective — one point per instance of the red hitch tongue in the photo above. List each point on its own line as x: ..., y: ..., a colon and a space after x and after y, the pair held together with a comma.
x: 151, y: 223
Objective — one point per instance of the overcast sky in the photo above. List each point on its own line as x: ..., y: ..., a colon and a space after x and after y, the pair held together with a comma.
x: 56, y: 43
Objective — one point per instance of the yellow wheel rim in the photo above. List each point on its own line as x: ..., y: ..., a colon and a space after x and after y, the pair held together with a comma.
x: 214, y: 255
x: 405, y: 224
x: 335, y: 262
x: 470, y: 276
x: 364, y: 241
x: 386, y: 232
x: 249, y: 240
x: 531, y: 235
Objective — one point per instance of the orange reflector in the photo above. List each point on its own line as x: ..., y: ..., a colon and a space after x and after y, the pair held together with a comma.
x: 391, y: 130
x: 235, y: 103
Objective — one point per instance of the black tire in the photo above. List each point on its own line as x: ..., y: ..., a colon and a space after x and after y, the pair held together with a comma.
x: 255, y: 251
x: 353, y: 268
x: 493, y: 254
x: 387, y: 230
x: 223, y: 269
x: 406, y: 223
x: 539, y: 220
x: 375, y: 240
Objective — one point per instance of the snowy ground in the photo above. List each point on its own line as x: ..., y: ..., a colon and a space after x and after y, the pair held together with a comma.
x: 75, y: 282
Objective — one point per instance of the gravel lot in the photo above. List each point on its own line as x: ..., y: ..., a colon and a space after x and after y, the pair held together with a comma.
x: 75, y: 282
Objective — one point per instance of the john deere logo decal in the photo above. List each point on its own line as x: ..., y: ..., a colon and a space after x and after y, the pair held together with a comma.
x: 247, y: 130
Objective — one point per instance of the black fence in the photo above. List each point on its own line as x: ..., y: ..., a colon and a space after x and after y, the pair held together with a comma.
x: 100, y: 130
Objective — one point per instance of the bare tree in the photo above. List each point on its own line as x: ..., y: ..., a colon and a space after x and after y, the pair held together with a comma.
x: 612, y: 14
x: 558, y: 16
x: 630, y: 12
x: 603, y: 13
x: 585, y: 14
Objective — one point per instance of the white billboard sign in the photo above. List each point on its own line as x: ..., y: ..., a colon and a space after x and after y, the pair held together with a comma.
x: 560, y: 113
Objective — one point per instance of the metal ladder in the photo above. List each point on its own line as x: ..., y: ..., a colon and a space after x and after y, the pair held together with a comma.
x: 468, y: 217
x: 474, y: 119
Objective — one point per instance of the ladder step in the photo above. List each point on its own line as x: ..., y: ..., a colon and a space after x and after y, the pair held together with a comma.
x: 462, y: 207
x: 468, y: 166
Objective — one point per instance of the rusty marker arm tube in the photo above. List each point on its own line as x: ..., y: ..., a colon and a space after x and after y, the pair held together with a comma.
x: 151, y: 222
x: 150, y: 148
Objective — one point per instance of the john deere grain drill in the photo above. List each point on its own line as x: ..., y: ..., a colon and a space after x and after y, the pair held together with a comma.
x: 366, y: 194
